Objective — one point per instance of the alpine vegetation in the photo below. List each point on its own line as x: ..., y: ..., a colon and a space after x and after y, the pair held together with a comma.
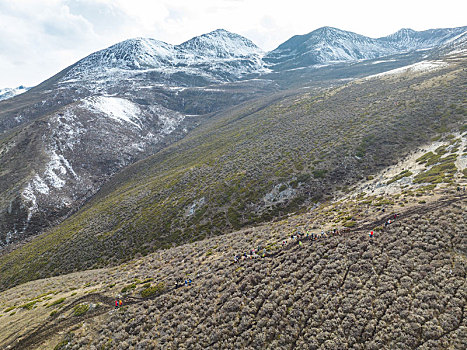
x: 213, y: 195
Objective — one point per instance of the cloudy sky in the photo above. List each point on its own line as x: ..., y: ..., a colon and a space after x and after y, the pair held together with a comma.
x: 38, y: 38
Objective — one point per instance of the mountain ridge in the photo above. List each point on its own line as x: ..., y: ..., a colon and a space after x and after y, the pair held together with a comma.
x: 328, y: 44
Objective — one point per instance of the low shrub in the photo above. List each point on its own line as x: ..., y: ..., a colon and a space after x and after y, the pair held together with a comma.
x: 64, y: 342
x: 405, y: 173
x: 56, y: 302
x: 350, y: 224
x: 80, y: 309
x: 155, y: 290
x: 128, y: 288
x: 30, y: 305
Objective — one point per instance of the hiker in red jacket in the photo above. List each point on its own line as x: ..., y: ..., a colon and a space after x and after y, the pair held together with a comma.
x: 116, y: 304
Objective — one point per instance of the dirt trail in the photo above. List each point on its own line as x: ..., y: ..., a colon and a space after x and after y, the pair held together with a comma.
x: 58, y: 323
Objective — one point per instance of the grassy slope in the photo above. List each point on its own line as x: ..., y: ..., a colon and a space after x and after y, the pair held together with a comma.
x: 308, y: 145
x: 405, y: 288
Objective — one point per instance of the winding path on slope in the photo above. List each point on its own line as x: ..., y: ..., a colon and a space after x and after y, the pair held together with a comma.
x: 58, y: 323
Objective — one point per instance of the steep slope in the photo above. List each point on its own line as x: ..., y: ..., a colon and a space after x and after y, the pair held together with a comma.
x: 59, y: 161
x: 253, y: 164
x: 160, y: 83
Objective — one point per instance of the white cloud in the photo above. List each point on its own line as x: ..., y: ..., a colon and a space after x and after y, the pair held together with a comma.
x: 39, y: 38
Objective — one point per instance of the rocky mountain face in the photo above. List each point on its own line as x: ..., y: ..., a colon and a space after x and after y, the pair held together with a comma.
x: 63, y: 139
x: 329, y: 45
x: 57, y: 162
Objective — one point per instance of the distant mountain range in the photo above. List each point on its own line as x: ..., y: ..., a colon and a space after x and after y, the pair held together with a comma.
x: 329, y: 45
x: 221, y: 56
x: 63, y: 139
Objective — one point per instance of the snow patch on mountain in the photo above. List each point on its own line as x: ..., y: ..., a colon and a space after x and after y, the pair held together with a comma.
x: 120, y: 109
x: 53, y: 178
x: 9, y: 92
x: 382, y: 61
x: 58, y: 164
x: 423, y: 66
x: 30, y: 198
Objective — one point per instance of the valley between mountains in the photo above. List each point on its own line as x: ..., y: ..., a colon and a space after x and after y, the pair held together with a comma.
x: 148, y: 163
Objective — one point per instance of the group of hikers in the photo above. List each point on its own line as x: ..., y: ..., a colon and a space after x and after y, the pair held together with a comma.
x: 181, y: 283
x: 261, y: 252
x: 118, y: 303
x: 300, y: 237
x: 391, y: 219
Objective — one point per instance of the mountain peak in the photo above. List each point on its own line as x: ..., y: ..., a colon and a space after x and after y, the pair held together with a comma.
x: 328, y: 29
x: 220, y: 31
x: 221, y: 43
x: 402, y: 33
x: 405, y: 30
x: 129, y: 54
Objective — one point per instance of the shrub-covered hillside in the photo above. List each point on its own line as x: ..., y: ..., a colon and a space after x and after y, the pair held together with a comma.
x: 405, y: 288
x: 253, y: 164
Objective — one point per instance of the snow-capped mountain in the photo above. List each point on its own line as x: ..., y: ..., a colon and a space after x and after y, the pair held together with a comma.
x: 219, y: 44
x: 9, y: 92
x: 329, y: 45
x: 407, y: 39
x: 106, y: 111
x: 218, y: 56
x: 325, y: 45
